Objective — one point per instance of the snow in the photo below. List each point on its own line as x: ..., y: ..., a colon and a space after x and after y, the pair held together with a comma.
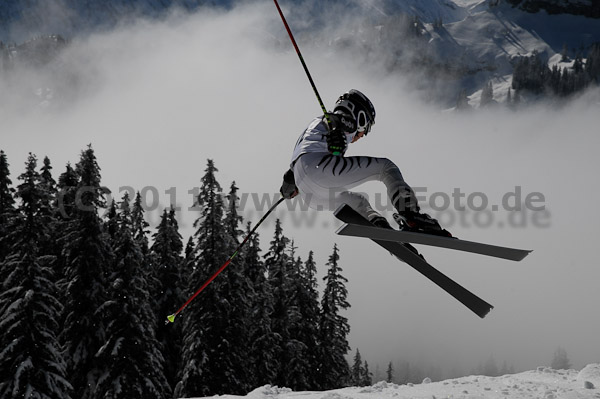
x: 591, y: 374
x: 543, y: 383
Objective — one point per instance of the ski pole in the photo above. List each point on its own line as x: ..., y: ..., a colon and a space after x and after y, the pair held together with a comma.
x: 310, y: 79
x: 171, y: 318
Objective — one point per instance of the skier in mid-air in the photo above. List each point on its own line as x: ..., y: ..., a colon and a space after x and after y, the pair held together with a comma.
x: 321, y: 174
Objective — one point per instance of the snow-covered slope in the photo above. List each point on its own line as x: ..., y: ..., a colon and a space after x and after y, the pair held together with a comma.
x: 543, y: 383
x: 486, y: 43
x: 492, y: 35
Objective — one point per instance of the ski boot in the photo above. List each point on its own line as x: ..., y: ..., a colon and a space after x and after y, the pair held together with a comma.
x: 418, y: 222
x: 381, y: 222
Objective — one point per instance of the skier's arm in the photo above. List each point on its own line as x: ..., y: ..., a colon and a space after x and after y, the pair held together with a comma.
x: 288, y: 187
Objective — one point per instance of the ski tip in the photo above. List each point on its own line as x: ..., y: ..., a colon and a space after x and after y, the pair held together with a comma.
x: 484, y: 312
x: 170, y: 319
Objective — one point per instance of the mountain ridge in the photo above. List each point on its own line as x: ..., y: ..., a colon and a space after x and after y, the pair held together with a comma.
x: 452, y: 46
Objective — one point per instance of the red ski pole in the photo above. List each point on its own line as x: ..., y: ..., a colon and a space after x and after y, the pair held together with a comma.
x: 171, y: 318
x: 310, y: 79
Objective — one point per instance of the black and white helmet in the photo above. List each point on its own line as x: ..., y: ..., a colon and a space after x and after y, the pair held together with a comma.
x: 358, y: 105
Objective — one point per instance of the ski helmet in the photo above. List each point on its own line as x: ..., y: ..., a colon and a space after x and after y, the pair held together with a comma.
x: 358, y: 105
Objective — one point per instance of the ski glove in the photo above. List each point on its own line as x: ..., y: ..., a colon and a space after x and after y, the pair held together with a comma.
x: 288, y: 189
x: 336, y: 138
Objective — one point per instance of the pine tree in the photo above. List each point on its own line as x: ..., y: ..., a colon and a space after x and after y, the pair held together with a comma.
x: 592, y: 65
x: 48, y: 185
x: 31, y: 362
x: 367, y: 376
x: 462, y: 100
x: 333, y: 327
x: 357, y: 370
x: 307, y: 330
x: 68, y: 183
x: 205, y: 367
x: 234, y: 314
x: 130, y: 361
x: 278, y: 267
x: 298, y: 365
x: 87, y: 254
x: 560, y: 361
x: 63, y: 209
x: 390, y: 373
x: 7, y: 204
x: 46, y: 179
x: 487, y: 95
x: 111, y: 225
x: 167, y: 264
x: 491, y: 368
x: 406, y: 374
x: 232, y: 218
x: 189, y: 257
x: 262, y: 338
x: 139, y: 224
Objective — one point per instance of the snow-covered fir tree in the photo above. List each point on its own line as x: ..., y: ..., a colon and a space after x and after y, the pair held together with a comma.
x: 310, y: 309
x: 592, y: 64
x: 389, y: 373
x: 487, y: 94
x: 7, y: 203
x: 305, y: 330
x: 236, y: 309
x: 63, y: 209
x: 206, y: 358
x: 130, y: 362
x: 111, y: 222
x: 357, y: 370
x: 298, y: 367
x: 263, y: 341
x: 367, y: 376
x: 67, y: 191
x: 333, y: 327
x: 139, y: 224
x: 48, y: 185
x: 280, y: 269
x: 560, y: 361
x: 31, y: 360
x: 87, y: 256
x: 167, y: 262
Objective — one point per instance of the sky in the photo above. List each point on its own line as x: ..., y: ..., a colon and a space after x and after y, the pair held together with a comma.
x: 157, y: 99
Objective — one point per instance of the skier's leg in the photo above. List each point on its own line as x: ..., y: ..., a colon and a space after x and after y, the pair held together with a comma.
x: 327, y: 198
x: 330, y: 177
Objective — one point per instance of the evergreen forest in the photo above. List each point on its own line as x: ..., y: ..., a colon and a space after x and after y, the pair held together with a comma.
x: 87, y: 286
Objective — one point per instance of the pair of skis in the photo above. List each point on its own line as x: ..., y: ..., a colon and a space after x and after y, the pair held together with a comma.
x: 396, y: 243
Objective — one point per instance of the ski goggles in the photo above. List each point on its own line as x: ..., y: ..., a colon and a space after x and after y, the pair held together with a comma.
x: 362, y: 122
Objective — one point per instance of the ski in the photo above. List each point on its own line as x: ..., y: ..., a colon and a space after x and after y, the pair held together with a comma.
x: 480, y: 307
x: 377, y: 233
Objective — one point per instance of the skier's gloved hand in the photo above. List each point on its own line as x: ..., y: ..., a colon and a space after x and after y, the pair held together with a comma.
x: 288, y: 188
x: 336, y: 142
x: 339, y: 126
